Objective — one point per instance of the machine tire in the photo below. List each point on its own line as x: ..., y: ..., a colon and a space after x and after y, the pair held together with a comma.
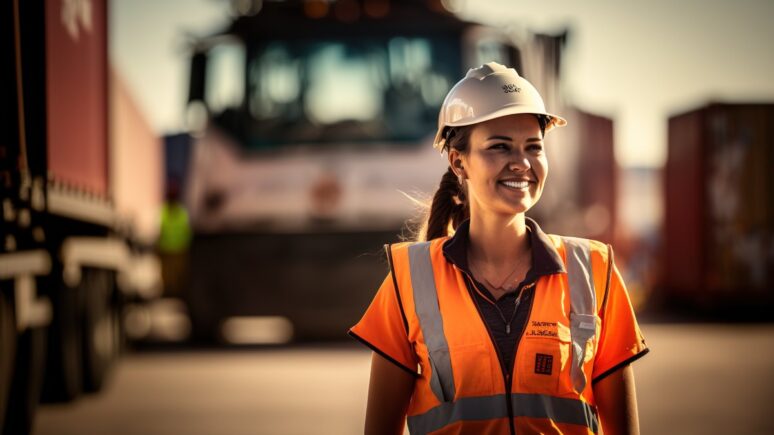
x: 205, y: 309
x: 64, y: 372
x: 27, y: 382
x: 101, y: 344
x: 7, y: 350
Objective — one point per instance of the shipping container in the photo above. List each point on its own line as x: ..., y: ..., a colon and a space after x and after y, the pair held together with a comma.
x: 80, y: 177
x: 719, y: 207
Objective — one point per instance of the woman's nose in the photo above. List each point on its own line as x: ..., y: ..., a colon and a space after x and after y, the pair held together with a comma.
x: 519, y: 163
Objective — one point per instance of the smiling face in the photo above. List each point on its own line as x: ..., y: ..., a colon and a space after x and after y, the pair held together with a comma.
x: 505, y: 166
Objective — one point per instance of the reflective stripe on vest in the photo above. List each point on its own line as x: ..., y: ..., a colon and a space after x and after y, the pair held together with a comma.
x: 557, y: 409
x: 583, y: 304
x: 429, y: 314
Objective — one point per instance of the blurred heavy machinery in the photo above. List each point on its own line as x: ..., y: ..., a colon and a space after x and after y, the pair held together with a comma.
x: 80, y: 176
x: 310, y: 120
x: 718, y: 254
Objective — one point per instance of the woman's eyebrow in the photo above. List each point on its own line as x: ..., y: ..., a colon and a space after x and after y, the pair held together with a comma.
x: 532, y: 139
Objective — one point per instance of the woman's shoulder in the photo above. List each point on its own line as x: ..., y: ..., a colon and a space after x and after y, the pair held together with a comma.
x: 597, y: 248
x: 406, y: 244
x: 400, y: 253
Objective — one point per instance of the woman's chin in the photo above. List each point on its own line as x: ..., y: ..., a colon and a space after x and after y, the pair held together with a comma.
x: 514, y: 209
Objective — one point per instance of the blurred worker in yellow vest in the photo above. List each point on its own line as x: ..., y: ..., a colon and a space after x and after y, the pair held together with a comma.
x: 173, y: 243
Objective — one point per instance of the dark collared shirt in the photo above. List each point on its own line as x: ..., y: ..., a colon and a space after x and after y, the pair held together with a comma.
x: 545, y: 261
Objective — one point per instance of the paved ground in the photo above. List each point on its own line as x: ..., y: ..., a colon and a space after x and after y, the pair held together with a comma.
x: 698, y: 379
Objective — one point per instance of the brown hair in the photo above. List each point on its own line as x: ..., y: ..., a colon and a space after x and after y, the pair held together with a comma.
x: 449, y: 207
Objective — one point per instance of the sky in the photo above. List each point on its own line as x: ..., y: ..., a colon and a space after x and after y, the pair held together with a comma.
x: 148, y: 47
x: 636, y: 62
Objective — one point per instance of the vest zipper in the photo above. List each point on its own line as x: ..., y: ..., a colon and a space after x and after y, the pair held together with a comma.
x: 513, y: 360
x: 506, y: 373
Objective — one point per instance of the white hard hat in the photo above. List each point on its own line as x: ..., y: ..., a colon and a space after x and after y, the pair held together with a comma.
x: 488, y: 92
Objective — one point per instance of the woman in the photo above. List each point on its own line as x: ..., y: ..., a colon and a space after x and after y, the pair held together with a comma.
x: 499, y: 328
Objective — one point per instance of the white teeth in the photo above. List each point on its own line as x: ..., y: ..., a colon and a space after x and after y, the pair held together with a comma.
x: 516, y: 184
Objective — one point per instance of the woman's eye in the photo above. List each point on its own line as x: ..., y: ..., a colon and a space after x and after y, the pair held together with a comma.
x: 535, y: 147
x: 499, y: 146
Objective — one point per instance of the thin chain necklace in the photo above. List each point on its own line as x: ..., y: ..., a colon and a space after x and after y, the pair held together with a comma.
x: 500, y: 288
x: 503, y: 289
x: 516, y: 304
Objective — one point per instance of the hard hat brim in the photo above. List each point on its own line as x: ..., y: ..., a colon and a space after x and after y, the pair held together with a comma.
x: 515, y: 109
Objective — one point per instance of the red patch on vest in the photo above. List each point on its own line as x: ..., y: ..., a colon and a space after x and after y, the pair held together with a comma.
x: 543, y: 364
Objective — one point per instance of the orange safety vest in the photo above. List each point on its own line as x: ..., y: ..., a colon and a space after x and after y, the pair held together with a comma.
x: 462, y: 387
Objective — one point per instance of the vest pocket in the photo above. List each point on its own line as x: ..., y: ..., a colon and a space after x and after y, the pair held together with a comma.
x: 540, y: 364
x: 474, y: 370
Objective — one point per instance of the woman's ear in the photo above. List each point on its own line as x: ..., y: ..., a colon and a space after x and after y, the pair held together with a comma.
x: 455, y: 162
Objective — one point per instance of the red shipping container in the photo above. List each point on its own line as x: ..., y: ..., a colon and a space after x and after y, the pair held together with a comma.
x: 580, y: 192
x: 719, y: 214
x: 76, y: 94
x: 598, y: 176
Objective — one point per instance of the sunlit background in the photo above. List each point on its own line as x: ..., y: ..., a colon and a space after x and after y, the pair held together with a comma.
x: 201, y: 190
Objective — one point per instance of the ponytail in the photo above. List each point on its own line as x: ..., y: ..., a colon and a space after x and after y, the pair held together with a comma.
x: 449, y: 207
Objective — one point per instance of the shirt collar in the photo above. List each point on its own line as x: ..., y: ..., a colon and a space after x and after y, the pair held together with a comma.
x: 545, y: 259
